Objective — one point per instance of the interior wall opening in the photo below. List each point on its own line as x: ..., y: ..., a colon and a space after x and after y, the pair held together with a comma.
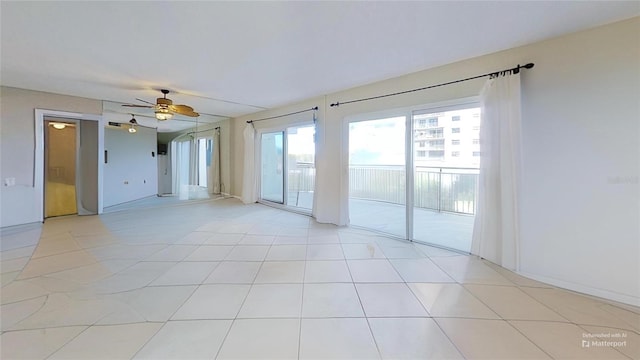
x: 60, y: 169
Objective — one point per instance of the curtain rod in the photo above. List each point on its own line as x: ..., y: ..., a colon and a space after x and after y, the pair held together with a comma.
x: 513, y: 70
x: 199, y: 131
x: 279, y: 116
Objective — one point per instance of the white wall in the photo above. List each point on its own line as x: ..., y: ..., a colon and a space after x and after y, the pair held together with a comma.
x: 19, y: 204
x: 131, y: 172
x: 580, y: 198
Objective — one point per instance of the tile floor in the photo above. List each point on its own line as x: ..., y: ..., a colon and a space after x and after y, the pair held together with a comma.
x: 219, y: 279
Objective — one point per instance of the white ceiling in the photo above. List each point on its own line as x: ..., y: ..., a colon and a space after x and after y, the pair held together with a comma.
x: 235, y: 58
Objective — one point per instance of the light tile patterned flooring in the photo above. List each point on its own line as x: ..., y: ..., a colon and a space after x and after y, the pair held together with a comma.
x: 219, y: 279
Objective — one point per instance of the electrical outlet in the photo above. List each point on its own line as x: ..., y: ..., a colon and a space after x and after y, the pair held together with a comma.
x: 126, y: 182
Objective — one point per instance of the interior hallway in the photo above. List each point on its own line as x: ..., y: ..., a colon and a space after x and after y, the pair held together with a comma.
x: 219, y: 279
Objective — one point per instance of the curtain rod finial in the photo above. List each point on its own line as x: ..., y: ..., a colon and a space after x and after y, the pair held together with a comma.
x: 335, y: 104
x: 528, y: 66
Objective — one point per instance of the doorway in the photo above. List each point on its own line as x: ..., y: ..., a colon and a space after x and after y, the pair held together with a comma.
x: 60, y: 168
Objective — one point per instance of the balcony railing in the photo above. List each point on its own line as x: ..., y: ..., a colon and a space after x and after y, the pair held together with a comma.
x: 437, y: 188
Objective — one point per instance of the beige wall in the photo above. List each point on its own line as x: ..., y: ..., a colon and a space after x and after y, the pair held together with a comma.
x: 579, y: 202
x: 17, y: 142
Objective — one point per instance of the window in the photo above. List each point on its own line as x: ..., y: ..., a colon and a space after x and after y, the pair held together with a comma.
x: 433, y: 122
x: 476, y: 153
x: 422, y: 123
x: 204, y: 159
x: 435, y: 133
x: 422, y: 153
x: 421, y: 144
x: 436, y: 154
x: 455, y: 153
x: 455, y: 130
x: 476, y: 141
x: 455, y: 142
x: 455, y: 118
x: 436, y: 143
x: 476, y: 128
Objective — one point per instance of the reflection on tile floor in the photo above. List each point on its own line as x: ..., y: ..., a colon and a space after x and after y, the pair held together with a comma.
x: 219, y: 279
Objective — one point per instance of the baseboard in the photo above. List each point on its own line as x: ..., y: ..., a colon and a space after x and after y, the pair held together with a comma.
x: 601, y: 293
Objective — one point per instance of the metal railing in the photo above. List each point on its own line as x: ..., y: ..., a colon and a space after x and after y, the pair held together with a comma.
x: 302, y: 177
x: 444, y: 189
x: 437, y: 188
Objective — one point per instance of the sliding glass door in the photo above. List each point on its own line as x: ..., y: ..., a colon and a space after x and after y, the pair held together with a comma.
x: 287, y: 167
x: 416, y: 176
x: 445, y: 176
x: 272, y: 169
x: 301, y: 170
x: 377, y: 175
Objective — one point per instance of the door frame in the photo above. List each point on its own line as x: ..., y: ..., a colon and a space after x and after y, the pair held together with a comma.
x: 38, y: 171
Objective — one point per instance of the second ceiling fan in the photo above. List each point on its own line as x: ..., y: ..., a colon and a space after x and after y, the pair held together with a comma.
x: 164, y: 108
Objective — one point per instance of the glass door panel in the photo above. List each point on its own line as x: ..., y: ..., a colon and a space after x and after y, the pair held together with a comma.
x: 445, y: 176
x: 377, y: 175
x: 272, y: 167
x: 301, y: 166
x: 204, y: 160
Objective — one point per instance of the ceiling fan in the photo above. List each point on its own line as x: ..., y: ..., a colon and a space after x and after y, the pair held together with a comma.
x: 164, y: 108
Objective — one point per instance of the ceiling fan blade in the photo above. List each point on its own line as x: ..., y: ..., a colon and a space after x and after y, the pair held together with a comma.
x: 139, y: 106
x: 145, y: 101
x: 183, y: 110
x: 191, y: 114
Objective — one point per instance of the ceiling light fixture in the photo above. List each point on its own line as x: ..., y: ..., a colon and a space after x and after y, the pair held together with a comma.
x: 59, y: 126
x: 163, y: 114
x: 133, y: 122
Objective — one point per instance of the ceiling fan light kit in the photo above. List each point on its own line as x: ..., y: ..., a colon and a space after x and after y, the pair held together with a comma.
x: 163, y: 114
x: 164, y: 108
x: 133, y: 122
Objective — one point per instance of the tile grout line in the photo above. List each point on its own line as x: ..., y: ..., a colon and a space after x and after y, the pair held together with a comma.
x: 304, y: 274
x: 375, y: 342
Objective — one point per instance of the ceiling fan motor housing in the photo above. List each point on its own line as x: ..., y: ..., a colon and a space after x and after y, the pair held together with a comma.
x: 164, y: 102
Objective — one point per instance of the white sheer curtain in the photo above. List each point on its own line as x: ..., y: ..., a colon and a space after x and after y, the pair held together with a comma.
x: 249, y: 191
x: 495, y: 232
x: 215, y: 169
